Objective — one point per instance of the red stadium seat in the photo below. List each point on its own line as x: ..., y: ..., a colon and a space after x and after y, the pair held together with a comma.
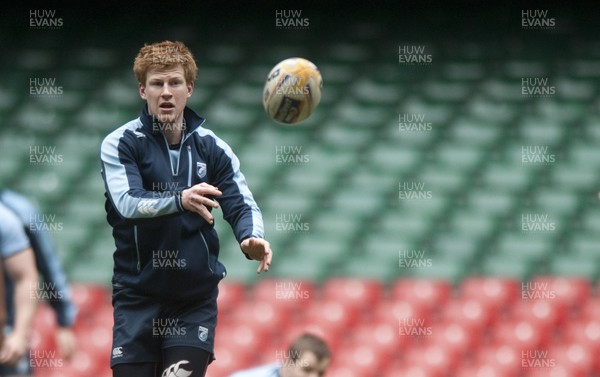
x: 473, y: 314
x: 381, y: 337
x: 244, y: 337
x: 456, y: 336
x: 103, y: 317
x: 341, y: 371
x: 492, y: 291
x: 283, y: 289
x: 84, y: 364
x: 435, y: 357
x: 484, y: 370
x: 523, y: 334
x: 571, y: 292
x: 546, y: 315
x: 556, y: 371
x: 88, y: 298
x: 44, y: 327
x: 96, y: 342
x: 331, y: 314
x: 504, y: 357
x: 292, y: 294
x: 393, y: 311
x: 413, y: 371
x: 585, y: 332
x: 432, y: 294
x: 591, y: 309
x: 364, y: 360
x: 575, y: 356
x: 229, y: 360
x: 265, y: 316
x: 360, y: 293
x: 231, y: 294
x: 333, y: 336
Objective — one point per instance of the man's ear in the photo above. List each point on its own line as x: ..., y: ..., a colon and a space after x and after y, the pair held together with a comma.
x: 142, y: 90
x: 190, y: 87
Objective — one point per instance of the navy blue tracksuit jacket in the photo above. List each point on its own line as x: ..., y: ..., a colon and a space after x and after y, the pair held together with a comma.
x: 163, y: 250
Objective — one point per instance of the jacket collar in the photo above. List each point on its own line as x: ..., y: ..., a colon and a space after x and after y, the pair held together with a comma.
x: 191, y: 120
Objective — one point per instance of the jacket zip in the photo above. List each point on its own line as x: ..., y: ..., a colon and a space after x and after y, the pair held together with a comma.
x: 137, y: 248
x: 189, y: 149
x: 207, y: 252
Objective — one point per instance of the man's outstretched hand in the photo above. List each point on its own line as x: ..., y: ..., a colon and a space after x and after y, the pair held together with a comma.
x: 260, y: 250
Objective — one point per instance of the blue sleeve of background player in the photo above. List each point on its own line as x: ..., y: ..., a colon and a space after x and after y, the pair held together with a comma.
x: 46, y: 258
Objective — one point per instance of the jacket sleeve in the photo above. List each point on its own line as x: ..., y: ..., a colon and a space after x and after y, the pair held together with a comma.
x: 124, y: 184
x: 237, y: 203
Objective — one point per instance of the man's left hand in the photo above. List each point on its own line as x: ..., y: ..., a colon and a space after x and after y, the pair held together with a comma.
x: 260, y: 250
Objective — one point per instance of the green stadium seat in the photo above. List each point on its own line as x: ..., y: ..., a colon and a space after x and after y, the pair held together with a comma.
x: 245, y: 95
x: 308, y: 180
x: 443, y: 268
x: 299, y: 267
x: 446, y: 91
x: 463, y: 70
x: 573, y: 177
x: 455, y: 246
x: 526, y: 246
x: 586, y: 245
x: 393, y: 157
x: 37, y: 59
x: 394, y: 224
x: 563, y: 111
x: 459, y: 157
x: 516, y: 69
x: 472, y: 132
x: 335, y: 74
x: 591, y: 125
x: 585, y: 154
x: 74, y: 241
x: 372, y: 180
x: 224, y: 54
x: 567, y: 265
x: 435, y: 206
x: 499, y: 90
x: 439, y: 179
x: 556, y: 201
x: 369, y: 92
x: 472, y: 223
x: 354, y: 203
x: 367, y: 267
x: 506, y: 178
x: 502, y: 266
x: 282, y: 202
x: 591, y: 221
x: 491, y: 201
x: 383, y: 247
x: 318, y: 248
x: 352, y: 113
x: 541, y: 132
x: 570, y: 89
x: 104, y: 118
x: 348, y: 138
x: 330, y: 222
x: 223, y: 113
x: 496, y: 110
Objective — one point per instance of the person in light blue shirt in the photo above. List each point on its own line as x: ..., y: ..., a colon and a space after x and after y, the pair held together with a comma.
x: 307, y: 356
x: 55, y: 289
x: 19, y: 265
